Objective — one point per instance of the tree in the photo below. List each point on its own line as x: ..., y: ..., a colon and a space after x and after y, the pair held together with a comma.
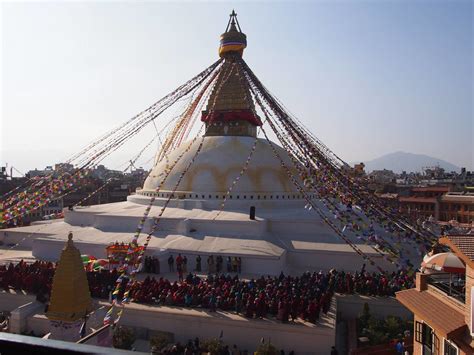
x: 365, y: 316
x: 158, y: 342
x: 394, y: 326
x: 267, y: 349
x: 123, y: 338
x: 213, y: 346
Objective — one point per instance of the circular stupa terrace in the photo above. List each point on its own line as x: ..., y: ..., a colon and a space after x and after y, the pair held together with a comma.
x: 284, y: 236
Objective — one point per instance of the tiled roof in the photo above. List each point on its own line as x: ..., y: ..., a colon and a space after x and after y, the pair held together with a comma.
x: 463, y: 244
x: 446, y: 320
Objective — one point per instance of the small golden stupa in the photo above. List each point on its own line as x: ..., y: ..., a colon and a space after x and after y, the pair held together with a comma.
x: 70, y: 295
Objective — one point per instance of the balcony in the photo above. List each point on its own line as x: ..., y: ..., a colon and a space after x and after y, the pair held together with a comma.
x: 454, y: 285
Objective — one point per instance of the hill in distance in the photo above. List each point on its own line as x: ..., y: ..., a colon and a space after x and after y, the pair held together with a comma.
x: 409, y: 162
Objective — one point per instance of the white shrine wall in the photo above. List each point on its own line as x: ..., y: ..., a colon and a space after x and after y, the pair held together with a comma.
x: 245, y: 333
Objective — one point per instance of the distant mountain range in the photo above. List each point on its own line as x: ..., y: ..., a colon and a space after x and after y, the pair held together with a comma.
x: 409, y: 162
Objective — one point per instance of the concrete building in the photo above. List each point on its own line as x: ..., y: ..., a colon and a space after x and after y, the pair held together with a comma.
x: 443, y: 305
x: 457, y: 206
x: 423, y: 201
x: 438, y: 202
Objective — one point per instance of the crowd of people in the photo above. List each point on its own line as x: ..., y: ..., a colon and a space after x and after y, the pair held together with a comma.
x: 37, y: 278
x: 284, y: 297
x: 33, y: 278
x: 214, y: 265
x: 196, y: 346
x: 151, y: 265
x: 102, y: 282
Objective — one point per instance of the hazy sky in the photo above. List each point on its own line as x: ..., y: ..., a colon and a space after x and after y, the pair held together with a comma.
x: 368, y: 78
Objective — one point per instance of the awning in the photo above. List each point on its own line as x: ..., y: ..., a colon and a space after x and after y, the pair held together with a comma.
x: 447, y: 321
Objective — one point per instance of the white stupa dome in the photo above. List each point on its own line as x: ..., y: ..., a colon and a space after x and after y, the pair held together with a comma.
x: 218, y: 164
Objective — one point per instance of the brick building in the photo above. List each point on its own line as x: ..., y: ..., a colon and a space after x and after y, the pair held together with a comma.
x: 438, y: 202
x: 457, y: 206
x: 423, y: 201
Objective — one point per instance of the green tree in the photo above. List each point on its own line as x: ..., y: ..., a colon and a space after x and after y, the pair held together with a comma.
x: 267, y: 349
x: 158, y: 342
x: 365, y: 316
x: 393, y: 325
x: 213, y: 346
x: 123, y: 338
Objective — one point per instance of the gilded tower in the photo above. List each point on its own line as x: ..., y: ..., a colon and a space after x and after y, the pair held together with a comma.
x: 230, y: 110
x: 70, y: 296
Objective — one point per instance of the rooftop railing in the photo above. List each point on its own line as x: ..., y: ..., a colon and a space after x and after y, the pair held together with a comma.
x: 454, y: 285
x: 14, y: 344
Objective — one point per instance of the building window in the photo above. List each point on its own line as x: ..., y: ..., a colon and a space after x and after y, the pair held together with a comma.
x: 429, y: 341
x: 449, y: 349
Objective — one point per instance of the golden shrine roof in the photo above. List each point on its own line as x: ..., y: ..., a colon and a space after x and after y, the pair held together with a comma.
x: 70, y: 295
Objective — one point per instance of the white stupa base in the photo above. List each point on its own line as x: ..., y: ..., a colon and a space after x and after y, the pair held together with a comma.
x: 290, y: 239
x: 65, y: 331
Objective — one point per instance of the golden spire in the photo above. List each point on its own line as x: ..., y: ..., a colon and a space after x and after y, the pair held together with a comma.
x: 230, y: 109
x: 70, y: 295
x: 232, y: 95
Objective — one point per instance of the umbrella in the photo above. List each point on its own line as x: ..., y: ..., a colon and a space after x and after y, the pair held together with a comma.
x: 446, y: 262
x: 86, y: 258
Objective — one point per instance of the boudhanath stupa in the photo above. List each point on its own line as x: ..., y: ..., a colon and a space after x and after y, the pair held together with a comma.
x: 202, y: 216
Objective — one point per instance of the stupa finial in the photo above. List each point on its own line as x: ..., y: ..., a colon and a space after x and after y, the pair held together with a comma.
x: 233, y: 21
x: 233, y: 39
